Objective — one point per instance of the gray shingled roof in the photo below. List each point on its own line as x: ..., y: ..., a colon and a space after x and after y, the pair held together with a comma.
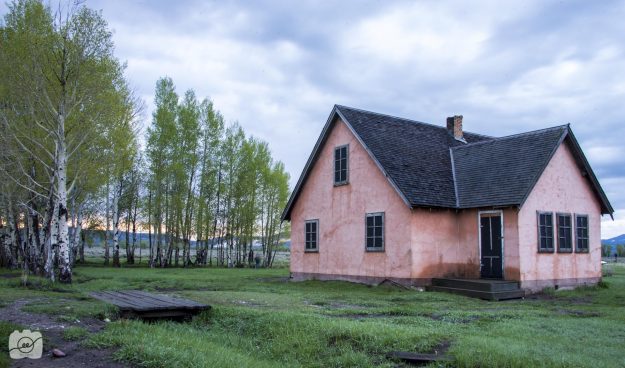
x: 415, y: 155
x: 502, y: 171
x: 429, y: 168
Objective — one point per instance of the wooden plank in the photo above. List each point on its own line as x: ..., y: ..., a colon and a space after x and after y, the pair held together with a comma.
x: 147, y: 299
x: 166, y: 299
x: 175, y: 300
x: 164, y: 302
x: 146, y: 304
x: 417, y: 358
x: 126, y: 301
x: 123, y: 301
x: 114, y: 299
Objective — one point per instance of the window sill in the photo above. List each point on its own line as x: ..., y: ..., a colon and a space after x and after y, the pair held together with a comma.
x: 374, y: 250
x: 582, y: 251
x: 567, y: 250
x: 311, y: 251
x: 341, y: 184
x: 546, y: 251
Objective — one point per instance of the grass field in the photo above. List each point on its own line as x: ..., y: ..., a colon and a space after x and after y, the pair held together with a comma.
x: 259, y: 319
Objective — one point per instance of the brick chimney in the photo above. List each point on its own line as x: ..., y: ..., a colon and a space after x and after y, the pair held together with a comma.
x: 454, y: 126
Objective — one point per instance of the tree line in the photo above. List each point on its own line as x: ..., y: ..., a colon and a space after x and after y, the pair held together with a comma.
x: 71, y: 158
x: 210, y: 182
x: 608, y: 250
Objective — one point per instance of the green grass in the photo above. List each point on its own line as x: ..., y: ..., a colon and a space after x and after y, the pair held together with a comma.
x: 75, y: 333
x: 258, y: 319
x: 6, y: 328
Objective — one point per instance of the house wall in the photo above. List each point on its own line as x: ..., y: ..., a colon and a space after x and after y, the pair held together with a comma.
x: 341, y: 213
x: 421, y: 243
x: 446, y: 244
x: 561, y: 188
x: 511, y: 253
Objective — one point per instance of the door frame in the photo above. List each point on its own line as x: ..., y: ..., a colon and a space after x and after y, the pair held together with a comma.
x: 479, y: 239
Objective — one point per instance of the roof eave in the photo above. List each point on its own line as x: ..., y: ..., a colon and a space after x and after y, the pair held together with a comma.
x: 378, y: 164
x: 544, y: 166
x: 286, y: 214
x: 606, y: 207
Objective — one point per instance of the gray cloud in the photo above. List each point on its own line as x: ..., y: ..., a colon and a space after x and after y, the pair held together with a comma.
x: 278, y: 67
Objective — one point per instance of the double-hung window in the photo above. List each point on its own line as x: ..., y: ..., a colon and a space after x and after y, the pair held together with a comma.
x: 581, y: 233
x: 565, y: 233
x: 340, y: 165
x: 545, y: 232
x: 374, y: 222
x: 312, y: 235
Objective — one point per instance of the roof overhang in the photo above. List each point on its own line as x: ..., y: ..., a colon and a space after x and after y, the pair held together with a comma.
x: 567, y: 136
x: 580, y: 159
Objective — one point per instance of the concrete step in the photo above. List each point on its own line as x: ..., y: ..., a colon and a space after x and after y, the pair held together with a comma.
x: 481, y: 294
x: 477, y: 284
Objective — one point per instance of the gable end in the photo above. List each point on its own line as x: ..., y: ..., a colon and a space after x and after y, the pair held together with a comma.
x: 335, y: 115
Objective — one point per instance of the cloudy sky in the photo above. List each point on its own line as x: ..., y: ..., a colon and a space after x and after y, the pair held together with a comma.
x: 278, y: 67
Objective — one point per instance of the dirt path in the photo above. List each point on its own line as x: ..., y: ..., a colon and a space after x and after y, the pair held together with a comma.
x: 52, y: 331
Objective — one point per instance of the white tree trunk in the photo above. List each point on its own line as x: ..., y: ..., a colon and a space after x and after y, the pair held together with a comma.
x: 12, y: 238
x: 51, y: 242
x: 106, y: 231
x: 65, y: 266
x: 32, y: 241
x: 6, y: 243
x: 7, y: 236
x: 77, y: 231
x: 115, y: 209
x: 72, y: 228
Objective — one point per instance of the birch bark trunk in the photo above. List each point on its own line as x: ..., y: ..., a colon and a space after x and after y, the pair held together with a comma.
x: 52, y: 241
x: 106, y: 231
x: 115, y: 211
x: 151, y: 261
x: 65, y: 267
x: 77, y: 235
x: 134, y: 230
x: 12, y: 259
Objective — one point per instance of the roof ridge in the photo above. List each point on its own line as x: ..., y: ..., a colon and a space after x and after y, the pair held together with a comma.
x: 406, y: 119
x: 453, y: 175
x: 514, y: 136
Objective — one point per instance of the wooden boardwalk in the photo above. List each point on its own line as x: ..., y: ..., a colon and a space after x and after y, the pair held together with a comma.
x: 141, y: 304
x: 417, y: 358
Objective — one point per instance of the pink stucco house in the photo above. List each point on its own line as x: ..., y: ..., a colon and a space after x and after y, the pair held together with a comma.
x: 386, y: 198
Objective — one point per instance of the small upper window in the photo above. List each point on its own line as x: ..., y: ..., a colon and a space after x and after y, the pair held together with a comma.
x: 340, y: 164
x: 565, y: 233
x: 312, y: 235
x: 545, y: 232
x: 581, y: 233
x: 375, y: 231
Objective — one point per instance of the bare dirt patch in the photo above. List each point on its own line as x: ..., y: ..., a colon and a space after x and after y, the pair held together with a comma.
x: 578, y: 313
x: 581, y: 300
x: 537, y: 296
x: 358, y: 316
x: 52, y: 331
x: 248, y: 303
x: 441, y: 348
